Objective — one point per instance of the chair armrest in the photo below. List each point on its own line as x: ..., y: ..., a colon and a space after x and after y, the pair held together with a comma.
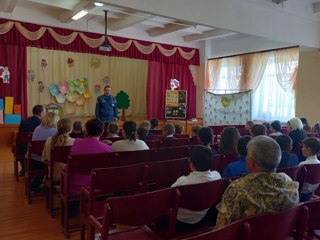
x: 95, y: 222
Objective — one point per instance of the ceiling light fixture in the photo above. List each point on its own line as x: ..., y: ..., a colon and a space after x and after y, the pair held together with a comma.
x: 80, y: 14
x: 97, y: 4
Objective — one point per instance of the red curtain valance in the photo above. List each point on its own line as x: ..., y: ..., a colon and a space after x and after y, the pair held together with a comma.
x: 27, y: 34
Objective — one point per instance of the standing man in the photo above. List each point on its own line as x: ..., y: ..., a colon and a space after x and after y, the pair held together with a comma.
x: 106, y: 106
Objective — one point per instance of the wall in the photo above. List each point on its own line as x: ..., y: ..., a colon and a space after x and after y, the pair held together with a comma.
x: 308, y: 94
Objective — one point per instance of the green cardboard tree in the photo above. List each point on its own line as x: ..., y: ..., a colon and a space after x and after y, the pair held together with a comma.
x: 123, y: 102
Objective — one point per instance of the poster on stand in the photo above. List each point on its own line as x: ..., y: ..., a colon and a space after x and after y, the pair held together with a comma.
x: 227, y: 109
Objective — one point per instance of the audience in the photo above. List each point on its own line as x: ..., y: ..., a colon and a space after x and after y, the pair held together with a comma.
x: 306, y: 129
x: 178, y: 128
x: 229, y: 140
x: 238, y: 168
x: 200, y: 163
x: 91, y: 143
x: 130, y: 143
x: 267, y: 125
x: 205, y: 137
x: 258, y: 129
x: 275, y: 128
x: 154, y: 122
x: 195, y: 130
x: 248, y: 125
x: 46, y: 129
x: 316, y: 129
x: 304, y: 121
x: 288, y: 159
x: 145, y: 124
x: 296, y: 132
x: 168, y: 131
x: 77, y: 127
x: 113, y: 130
x: 61, y: 138
x: 28, y: 125
x: 310, y: 149
x: 142, y: 133
x: 262, y: 190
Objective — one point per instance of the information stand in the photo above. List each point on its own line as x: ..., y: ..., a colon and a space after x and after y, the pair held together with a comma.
x: 176, y: 105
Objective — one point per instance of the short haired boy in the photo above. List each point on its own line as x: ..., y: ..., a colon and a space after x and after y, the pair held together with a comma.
x: 168, y: 131
x: 200, y: 163
x: 288, y: 159
x: 205, y: 136
x: 258, y: 129
x: 310, y: 148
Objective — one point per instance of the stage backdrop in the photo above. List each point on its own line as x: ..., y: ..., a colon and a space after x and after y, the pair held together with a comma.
x: 46, y: 67
x: 227, y: 109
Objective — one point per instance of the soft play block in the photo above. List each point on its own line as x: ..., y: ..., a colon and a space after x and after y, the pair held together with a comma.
x: 12, y: 118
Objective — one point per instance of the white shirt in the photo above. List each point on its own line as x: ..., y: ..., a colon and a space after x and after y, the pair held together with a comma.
x: 307, y: 187
x: 129, y: 145
x: 186, y: 215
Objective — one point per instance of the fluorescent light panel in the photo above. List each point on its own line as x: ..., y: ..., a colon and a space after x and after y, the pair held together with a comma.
x: 80, y: 14
x: 97, y: 4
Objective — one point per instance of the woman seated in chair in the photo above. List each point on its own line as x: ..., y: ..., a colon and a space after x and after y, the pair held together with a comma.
x: 61, y: 138
x: 130, y: 143
x: 229, y: 140
x: 46, y: 129
x: 91, y: 143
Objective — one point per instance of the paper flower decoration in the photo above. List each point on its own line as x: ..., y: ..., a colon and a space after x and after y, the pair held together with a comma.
x: 64, y: 87
x: 61, y: 98
x: 44, y: 64
x: 54, y: 89
x: 97, y: 89
x: 5, y: 74
x: 174, y: 83
x: 70, y: 62
x: 31, y: 75
x: 41, y: 86
x: 106, y: 80
x: 72, y: 96
x: 80, y: 100
x: 95, y: 62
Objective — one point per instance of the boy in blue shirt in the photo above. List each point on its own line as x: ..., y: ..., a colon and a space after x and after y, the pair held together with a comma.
x: 288, y: 159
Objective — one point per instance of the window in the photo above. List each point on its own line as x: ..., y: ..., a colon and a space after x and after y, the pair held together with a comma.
x: 272, y: 81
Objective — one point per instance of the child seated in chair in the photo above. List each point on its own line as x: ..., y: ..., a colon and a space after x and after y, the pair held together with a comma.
x: 200, y: 163
x: 238, y: 168
x: 310, y: 148
x: 288, y: 159
x: 168, y: 131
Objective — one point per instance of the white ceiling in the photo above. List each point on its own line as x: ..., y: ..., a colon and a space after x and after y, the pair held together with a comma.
x: 123, y: 21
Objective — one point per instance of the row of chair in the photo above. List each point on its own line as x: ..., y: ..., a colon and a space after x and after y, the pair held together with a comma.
x: 140, y: 214
x: 142, y: 177
x: 106, y: 184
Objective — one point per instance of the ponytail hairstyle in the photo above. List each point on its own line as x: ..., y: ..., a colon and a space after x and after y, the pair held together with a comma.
x: 130, y: 128
x: 64, y: 127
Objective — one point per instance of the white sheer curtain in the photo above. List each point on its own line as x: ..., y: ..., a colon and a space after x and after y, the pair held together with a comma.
x: 226, y: 74
x: 270, y: 101
x: 271, y: 76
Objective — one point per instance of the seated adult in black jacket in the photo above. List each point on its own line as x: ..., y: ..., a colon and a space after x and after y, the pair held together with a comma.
x: 28, y: 125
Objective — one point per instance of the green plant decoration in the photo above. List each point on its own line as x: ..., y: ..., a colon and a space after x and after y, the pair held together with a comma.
x: 123, y: 103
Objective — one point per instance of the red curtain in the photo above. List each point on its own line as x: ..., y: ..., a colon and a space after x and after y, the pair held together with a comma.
x: 78, y: 45
x: 159, y: 75
x: 15, y: 58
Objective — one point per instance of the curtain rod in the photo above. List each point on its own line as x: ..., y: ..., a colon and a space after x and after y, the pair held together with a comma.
x: 270, y: 50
